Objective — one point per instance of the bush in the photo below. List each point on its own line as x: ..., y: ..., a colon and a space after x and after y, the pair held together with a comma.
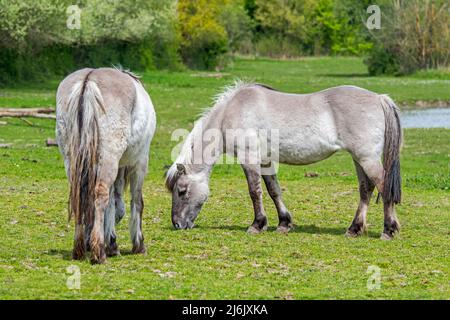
x: 238, y: 25
x: 380, y: 61
x: 203, y: 38
x: 310, y: 27
x: 415, y: 35
x: 35, y: 42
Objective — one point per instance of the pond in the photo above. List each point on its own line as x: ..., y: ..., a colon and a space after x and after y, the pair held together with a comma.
x: 426, y: 118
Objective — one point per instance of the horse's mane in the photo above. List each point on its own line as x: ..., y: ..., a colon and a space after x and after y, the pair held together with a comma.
x: 128, y: 72
x: 186, y: 155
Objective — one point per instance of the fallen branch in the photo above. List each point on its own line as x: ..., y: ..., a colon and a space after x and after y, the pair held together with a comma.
x: 51, y: 142
x: 44, y: 113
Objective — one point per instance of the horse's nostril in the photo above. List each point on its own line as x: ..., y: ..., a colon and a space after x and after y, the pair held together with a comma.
x: 177, y: 226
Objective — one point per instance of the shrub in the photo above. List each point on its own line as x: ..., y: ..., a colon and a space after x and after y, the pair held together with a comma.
x: 36, y: 43
x: 415, y: 35
x: 238, y: 25
x: 203, y: 38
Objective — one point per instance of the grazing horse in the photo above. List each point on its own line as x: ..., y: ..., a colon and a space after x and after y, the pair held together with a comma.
x: 311, y: 127
x: 105, y: 123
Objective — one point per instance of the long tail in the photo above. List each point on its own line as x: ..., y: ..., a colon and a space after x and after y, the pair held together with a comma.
x: 393, y: 136
x: 83, y: 139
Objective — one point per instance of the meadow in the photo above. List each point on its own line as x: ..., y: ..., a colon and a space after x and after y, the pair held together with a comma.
x: 218, y: 259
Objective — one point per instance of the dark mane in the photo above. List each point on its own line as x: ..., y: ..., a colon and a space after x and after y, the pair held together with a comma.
x: 266, y: 87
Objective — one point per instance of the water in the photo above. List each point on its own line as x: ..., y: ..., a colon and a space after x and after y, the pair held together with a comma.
x: 426, y: 118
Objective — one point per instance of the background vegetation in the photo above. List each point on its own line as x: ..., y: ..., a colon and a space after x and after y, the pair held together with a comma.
x: 35, y: 42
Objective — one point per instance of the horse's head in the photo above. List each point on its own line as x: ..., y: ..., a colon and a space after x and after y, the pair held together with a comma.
x: 189, y: 192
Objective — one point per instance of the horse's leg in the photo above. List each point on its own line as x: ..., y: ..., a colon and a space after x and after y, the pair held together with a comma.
x: 391, y: 223
x: 285, y: 219
x: 137, y: 175
x: 375, y: 172
x: 119, y: 186
x: 79, y: 247
x: 107, y: 173
x: 366, y: 188
x: 110, y: 233
x: 253, y: 174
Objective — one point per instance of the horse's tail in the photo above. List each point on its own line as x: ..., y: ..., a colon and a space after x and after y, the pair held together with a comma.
x: 392, y: 189
x: 83, y: 139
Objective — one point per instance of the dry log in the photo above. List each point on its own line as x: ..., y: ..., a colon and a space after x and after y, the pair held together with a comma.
x: 51, y: 142
x: 45, y: 113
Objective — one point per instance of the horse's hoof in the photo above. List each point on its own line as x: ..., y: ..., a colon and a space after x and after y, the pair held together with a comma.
x: 98, y: 260
x: 387, y: 237
x: 112, y: 252
x: 284, y: 229
x: 139, y: 249
x: 351, y: 234
x: 254, y: 230
x: 77, y: 255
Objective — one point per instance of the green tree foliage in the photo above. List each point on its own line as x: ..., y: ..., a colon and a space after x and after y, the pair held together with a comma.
x: 296, y: 27
x: 204, y: 39
x: 35, y: 40
x: 415, y: 35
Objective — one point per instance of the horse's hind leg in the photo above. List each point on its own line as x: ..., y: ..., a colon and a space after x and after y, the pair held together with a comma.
x: 391, y: 223
x: 119, y: 186
x: 137, y: 175
x: 375, y: 171
x: 285, y: 219
x: 366, y: 187
x: 79, y: 247
x: 253, y: 174
x: 107, y: 173
x: 110, y: 233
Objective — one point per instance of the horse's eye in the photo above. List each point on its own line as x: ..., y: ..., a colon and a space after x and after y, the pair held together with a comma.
x: 182, y: 192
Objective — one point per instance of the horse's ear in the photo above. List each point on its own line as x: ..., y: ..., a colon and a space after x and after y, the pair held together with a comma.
x: 181, y: 168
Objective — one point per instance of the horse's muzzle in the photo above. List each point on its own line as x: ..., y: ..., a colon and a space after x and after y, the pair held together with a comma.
x: 183, y: 226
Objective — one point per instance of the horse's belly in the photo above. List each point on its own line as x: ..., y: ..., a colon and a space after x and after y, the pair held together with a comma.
x: 301, y: 148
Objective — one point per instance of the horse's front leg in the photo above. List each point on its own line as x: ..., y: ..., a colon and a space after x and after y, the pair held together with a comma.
x: 253, y: 174
x: 285, y: 219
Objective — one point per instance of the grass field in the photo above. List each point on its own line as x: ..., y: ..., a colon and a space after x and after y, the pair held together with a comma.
x: 218, y: 259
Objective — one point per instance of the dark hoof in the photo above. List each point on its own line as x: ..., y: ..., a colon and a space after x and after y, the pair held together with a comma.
x: 98, y: 259
x: 112, y: 249
x: 356, y: 230
x: 387, y: 237
x: 98, y: 256
x: 78, y: 251
x: 139, y: 249
x: 284, y: 228
x: 255, y: 230
x: 390, y: 230
x: 77, y: 255
x: 112, y: 252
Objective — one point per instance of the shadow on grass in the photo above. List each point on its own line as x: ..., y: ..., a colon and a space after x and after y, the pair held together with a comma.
x: 345, y: 75
x: 310, y: 229
x: 65, y: 254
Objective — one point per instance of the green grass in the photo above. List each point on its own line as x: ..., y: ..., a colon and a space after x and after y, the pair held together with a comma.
x: 217, y: 259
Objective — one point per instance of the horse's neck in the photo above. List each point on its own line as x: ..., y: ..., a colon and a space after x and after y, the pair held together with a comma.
x: 204, y: 162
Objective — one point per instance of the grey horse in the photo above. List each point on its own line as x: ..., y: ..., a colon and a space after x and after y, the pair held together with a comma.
x: 311, y: 127
x: 105, y: 123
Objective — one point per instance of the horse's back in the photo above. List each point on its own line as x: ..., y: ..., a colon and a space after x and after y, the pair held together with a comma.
x: 311, y: 126
x: 125, y: 115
